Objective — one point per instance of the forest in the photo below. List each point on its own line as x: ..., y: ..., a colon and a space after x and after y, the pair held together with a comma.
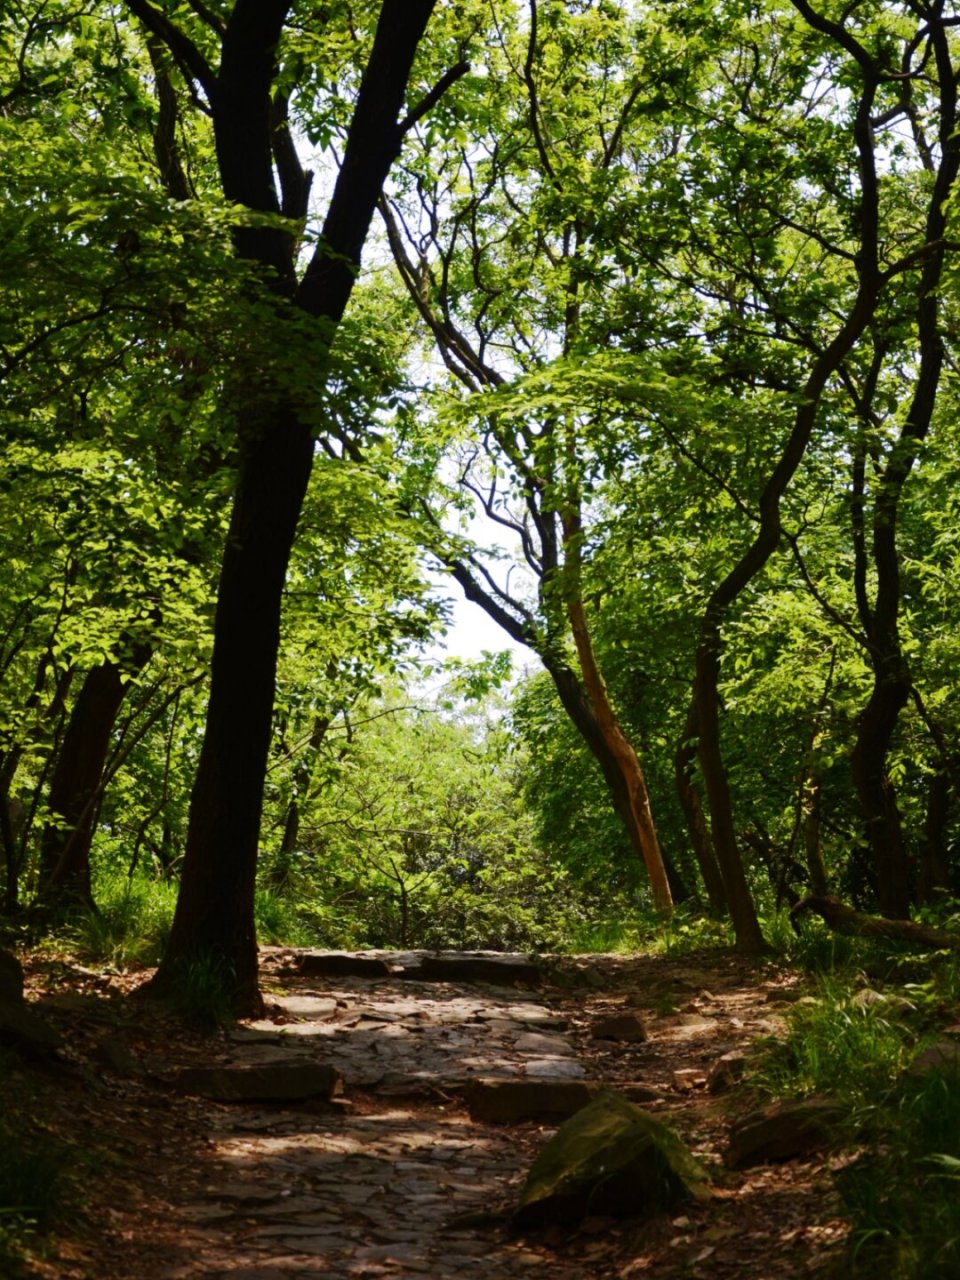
x: 634, y: 326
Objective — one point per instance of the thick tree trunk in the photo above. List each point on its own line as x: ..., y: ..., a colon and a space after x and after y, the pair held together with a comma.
x: 877, y: 795
x: 214, y: 915
x: 214, y: 919
x: 75, y: 786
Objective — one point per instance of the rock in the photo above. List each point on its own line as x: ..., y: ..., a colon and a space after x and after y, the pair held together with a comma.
x: 466, y: 968
x: 727, y: 1071
x: 11, y: 978
x: 687, y: 1078
x: 867, y: 999
x: 26, y: 1030
x: 783, y: 1131
x: 620, y: 1026
x: 341, y: 964
x: 115, y: 1055
x: 307, y: 1006
x: 942, y: 1056
x: 611, y: 1159
x: 280, y: 1082
x: 512, y: 1101
x: 784, y: 995
x: 543, y: 1045
x: 553, y: 1069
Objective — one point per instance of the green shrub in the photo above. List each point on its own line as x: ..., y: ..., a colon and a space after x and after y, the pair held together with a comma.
x: 280, y: 923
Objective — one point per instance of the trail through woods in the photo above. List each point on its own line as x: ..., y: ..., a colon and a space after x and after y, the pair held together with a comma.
x: 399, y: 1175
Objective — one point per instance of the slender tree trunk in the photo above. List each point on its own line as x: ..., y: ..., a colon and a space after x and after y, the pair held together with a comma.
x: 743, y: 913
x: 75, y: 785
x: 683, y: 764
x: 877, y: 795
x: 627, y: 791
x: 619, y: 749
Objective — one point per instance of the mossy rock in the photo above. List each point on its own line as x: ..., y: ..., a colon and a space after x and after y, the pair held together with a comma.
x: 610, y: 1159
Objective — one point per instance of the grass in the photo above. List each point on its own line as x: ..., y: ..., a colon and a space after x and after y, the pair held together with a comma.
x: 131, y: 924
x: 902, y: 1194
x: 834, y: 1045
x: 202, y: 991
x: 133, y: 918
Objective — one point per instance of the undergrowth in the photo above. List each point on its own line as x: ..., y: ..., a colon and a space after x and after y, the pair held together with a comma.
x: 132, y: 921
x: 874, y: 1007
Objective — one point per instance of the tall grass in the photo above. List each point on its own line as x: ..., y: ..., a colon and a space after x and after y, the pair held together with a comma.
x: 131, y: 923
x: 902, y: 1194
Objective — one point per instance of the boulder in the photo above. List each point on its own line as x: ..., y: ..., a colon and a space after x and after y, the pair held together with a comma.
x: 341, y: 964
x: 626, y: 1027
x: 11, y: 978
x: 512, y: 1101
x: 611, y: 1159
x: 726, y: 1071
x: 784, y: 1131
x: 275, y: 1082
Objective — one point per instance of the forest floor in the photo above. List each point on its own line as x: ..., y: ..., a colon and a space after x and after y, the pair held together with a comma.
x: 393, y: 1178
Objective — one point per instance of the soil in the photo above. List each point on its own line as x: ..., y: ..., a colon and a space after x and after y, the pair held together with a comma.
x: 392, y: 1177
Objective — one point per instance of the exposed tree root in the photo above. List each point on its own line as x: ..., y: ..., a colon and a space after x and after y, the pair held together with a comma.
x: 857, y: 924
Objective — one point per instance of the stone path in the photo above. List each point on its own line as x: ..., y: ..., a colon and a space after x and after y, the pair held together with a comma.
x: 365, y: 1150
x: 396, y: 1179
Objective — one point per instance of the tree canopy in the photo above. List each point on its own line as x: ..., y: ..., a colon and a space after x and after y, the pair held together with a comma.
x: 637, y: 327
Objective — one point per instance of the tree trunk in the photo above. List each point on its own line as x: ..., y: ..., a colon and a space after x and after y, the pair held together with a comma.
x: 704, y: 852
x: 77, y: 778
x: 627, y: 788
x: 857, y: 924
x: 933, y: 879
x: 214, y: 914
x: 214, y: 919
x: 743, y: 914
x: 877, y: 795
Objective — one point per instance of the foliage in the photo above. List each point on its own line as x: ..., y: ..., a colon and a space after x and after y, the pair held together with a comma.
x: 900, y: 1190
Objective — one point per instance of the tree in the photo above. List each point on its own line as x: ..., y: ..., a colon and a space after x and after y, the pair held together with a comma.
x: 246, y: 98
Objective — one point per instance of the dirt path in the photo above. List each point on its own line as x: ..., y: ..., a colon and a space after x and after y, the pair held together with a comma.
x: 392, y: 1177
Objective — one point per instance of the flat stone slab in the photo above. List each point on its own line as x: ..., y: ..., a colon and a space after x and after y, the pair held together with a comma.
x: 553, y: 1069
x: 278, y: 1082
x: 504, y: 972
x: 512, y: 1101
x: 341, y: 964
x: 543, y: 1046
